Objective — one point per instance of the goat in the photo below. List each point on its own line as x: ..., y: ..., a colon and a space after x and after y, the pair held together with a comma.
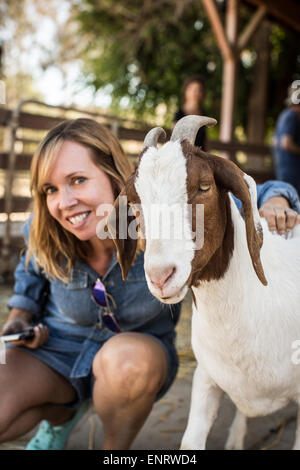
x: 246, y: 296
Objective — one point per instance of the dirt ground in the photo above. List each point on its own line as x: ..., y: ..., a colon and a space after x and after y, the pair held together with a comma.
x: 164, y: 427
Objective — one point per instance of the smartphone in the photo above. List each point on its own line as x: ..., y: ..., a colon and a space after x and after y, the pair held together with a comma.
x: 25, y: 334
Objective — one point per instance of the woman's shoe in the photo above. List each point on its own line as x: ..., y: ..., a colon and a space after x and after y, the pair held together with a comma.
x: 55, y: 437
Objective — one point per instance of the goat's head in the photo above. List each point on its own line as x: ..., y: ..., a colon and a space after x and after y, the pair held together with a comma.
x: 179, y: 175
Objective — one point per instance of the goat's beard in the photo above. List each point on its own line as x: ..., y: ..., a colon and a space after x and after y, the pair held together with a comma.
x: 174, y: 299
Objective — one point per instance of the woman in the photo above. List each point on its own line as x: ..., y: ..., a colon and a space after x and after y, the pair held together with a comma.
x: 193, y: 95
x: 78, y: 167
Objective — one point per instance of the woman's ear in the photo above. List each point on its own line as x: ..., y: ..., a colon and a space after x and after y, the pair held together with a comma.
x: 229, y: 176
x: 117, y: 224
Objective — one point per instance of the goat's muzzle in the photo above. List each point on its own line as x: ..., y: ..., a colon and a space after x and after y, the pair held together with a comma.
x: 163, y: 284
x: 161, y: 277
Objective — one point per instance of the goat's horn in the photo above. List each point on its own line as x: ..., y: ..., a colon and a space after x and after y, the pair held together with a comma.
x: 188, y: 126
x: 153, y: 136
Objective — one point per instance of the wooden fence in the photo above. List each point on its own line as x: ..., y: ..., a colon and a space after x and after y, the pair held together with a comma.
x: 22, y: 130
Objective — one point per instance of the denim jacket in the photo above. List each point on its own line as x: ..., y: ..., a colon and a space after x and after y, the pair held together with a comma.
x: 70, y: 308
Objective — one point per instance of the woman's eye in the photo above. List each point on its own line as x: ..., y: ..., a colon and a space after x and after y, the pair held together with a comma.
x: 204, y: 187
x: 81, y: 179
x: 49, y: 190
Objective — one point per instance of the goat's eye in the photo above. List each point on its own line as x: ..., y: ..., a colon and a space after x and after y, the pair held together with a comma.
x: 204, y: 187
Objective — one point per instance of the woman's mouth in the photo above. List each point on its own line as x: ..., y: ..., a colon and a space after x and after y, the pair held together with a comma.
x: 79, y: 220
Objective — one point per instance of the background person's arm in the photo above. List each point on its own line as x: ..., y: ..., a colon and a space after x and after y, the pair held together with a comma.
x: 273, y: 198
x: 279, y: 219
x: 287, y: 143
x: 278, y: 202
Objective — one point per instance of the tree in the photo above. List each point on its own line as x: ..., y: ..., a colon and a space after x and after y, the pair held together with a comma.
x: 19, y: 22
x: 146, y: 50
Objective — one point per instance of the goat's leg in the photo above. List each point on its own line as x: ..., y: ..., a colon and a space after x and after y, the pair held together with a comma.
x: 297, y: 440
x: 203, y: 410
x: 237, y: 432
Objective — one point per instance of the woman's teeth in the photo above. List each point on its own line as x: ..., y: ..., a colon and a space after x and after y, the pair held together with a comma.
x: 78, y: 218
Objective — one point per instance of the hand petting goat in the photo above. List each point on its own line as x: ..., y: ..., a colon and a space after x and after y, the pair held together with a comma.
x: 280, y: 217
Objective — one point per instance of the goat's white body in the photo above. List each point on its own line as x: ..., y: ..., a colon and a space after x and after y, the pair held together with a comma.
x: 242, y: 331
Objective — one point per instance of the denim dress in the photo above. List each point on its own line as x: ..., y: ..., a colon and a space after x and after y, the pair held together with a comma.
x: 74, y: 320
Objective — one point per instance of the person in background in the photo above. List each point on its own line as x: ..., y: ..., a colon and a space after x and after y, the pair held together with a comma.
x: 287, y: 142
x: 193, y: 96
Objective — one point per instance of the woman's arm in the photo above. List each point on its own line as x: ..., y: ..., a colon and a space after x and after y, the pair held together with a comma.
x: 27, y: 302
x: 287, y: 143
x: 30, y: 290
x: 20, y: 313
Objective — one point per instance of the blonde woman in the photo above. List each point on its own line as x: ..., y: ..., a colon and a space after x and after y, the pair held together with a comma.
x: 74, y: 355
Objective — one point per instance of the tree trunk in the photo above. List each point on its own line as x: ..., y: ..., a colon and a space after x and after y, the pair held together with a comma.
x: 256, y: 126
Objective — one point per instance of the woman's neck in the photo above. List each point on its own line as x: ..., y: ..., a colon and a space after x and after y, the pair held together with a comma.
x: 102, y: 248
x: 101, y: 256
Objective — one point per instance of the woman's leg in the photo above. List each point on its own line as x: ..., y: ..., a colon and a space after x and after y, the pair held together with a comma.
x: 30, y: 391
x: 27, y: 420
x: 129, y: 369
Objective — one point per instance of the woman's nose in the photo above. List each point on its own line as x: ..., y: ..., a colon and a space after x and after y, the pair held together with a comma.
x: 66, y: 199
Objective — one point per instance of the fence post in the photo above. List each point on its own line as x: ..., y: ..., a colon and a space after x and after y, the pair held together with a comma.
x: 8, y: 197
x: 114, y: 127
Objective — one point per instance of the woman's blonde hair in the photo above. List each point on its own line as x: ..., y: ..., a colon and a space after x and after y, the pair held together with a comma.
x: 53, y: 247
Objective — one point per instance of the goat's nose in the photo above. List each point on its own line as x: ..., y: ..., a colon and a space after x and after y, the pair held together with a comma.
x: 160, y: 276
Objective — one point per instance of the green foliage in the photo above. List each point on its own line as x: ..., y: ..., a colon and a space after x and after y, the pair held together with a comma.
x: 147, y: 49
x: 141, y: 51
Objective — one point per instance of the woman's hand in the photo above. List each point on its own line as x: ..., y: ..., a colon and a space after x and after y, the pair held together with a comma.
x: 279, y: 216
x: 16, y: 325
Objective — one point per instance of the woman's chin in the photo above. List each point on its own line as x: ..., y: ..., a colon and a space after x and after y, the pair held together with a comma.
x: 83, y: 235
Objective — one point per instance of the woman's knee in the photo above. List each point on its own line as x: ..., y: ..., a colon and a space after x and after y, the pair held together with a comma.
x: 130, y: 368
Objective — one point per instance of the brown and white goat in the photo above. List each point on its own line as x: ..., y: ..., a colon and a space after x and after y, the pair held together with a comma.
x: 243, y: 327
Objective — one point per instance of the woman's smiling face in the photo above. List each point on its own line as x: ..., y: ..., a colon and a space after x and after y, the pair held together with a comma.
x: 74, y: 190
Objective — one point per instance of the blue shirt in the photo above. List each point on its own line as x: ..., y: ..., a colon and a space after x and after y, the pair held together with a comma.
x: 287, y: 164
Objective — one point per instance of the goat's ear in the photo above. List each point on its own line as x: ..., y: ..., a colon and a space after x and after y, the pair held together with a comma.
x: 229, y: 176
x: 118, y: 228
